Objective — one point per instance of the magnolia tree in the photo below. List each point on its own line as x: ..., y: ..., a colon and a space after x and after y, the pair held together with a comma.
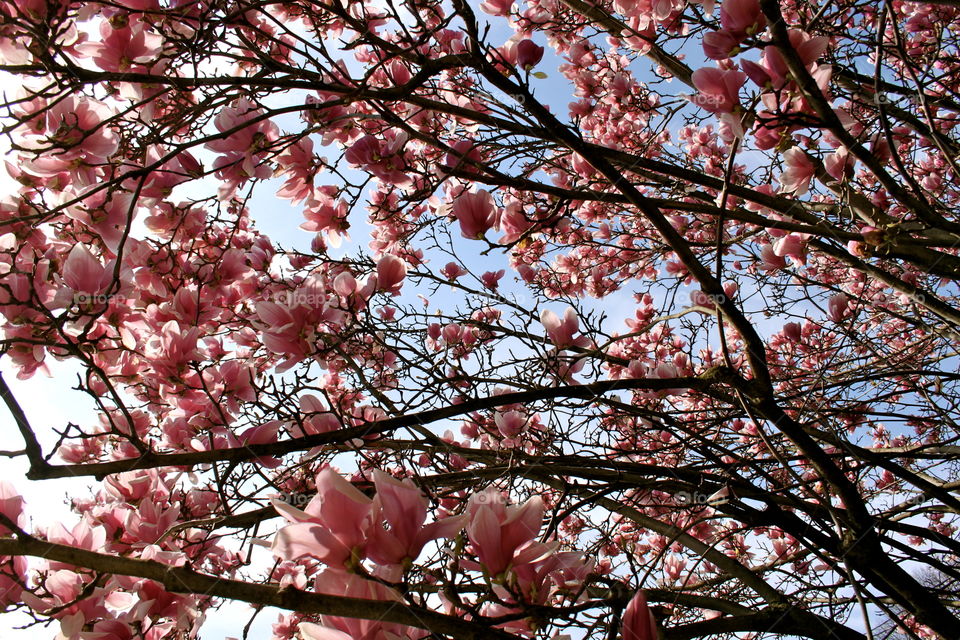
x: 603, y: 319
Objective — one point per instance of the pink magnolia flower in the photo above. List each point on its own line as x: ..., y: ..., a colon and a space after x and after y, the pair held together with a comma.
x: 638, y: 622
x: 499, y: 533
x: 792, y: 245
x: 247, y: 131
x: 83, y: 273
x: 838, y: 164
x: 718, y: 89
x: 476, y: 213
x: 792, y: 331
x: 402, y: 507
x: 317, y: 415
x: 673, y: 566
x: 560, y: 331
x: 173, y: 348
x: 452, y: 271
x: 384, y: 160
x: 350, y: 585
x: 261, y: 434
x: 464, y: 155
x: 11, y: 506
x: 497, y: 7
x: 491, y: 279
x: 391, y: 272
x: 513, y: 222
x: 73, y: 127
x: 772, y: 73
x: 741, y: 17
x: 529, y: 54
x: 364, y: 151
x: 799, y: 170
x: 771, y: 261
x: 837, y: 306
x: 333, y: 527
x: 510, y: 423
x: 452, y: 333
x: 698, y: 298
x: 124, y: 49
x: 76, y: 122
x: 720, y: 45
x: 351, y: 292
x: 311, y: 631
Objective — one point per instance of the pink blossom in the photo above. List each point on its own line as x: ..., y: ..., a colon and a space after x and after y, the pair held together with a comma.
x: 333, y: 527
x: 391, y: 272
x: 384, y: 159
x: 674, y: 566
x: 364, y: 151
x: 792, y: 245
x: 560, y: 331
x: 124, y: 49
x: 720, y: 45
x: 311, y: 631
x: 317, y: 415
x: 772, y: 73
x: 464, y: 155
x: 771, y: 261
x: 510, y: 423
x: 491, y: 279
x: 497, y: 7
x: 245, y: 129
x: 345, y: 284
x: 402, y: 507
x: 798, y: 172
x: 73, y: 127
x: 837, y: 306
x: 700, y: 299
x: 499, y: 533
x: 11, y: 506
x: 476, y: 213
x: 514, y: 223
x: 452, y: 333
x: 452, y: 271
x: 83, y: 273
x: 638, y: 622
x: 838, y: 164
x: 341, y: 583
x: 792, y: 331
x: 528, y: 54
x: 741, y: 17
x: 718, y: 89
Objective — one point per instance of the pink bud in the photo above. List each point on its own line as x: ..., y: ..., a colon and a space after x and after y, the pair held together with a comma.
x: 528, y: 54
x: 837, y: 306
x: 391, y: 271
x: 510, y: 423
x: 791, y: 331
x: 475, y: 212
x: 345, y: 284
x: 452, y: 333
x: 638, y: 622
